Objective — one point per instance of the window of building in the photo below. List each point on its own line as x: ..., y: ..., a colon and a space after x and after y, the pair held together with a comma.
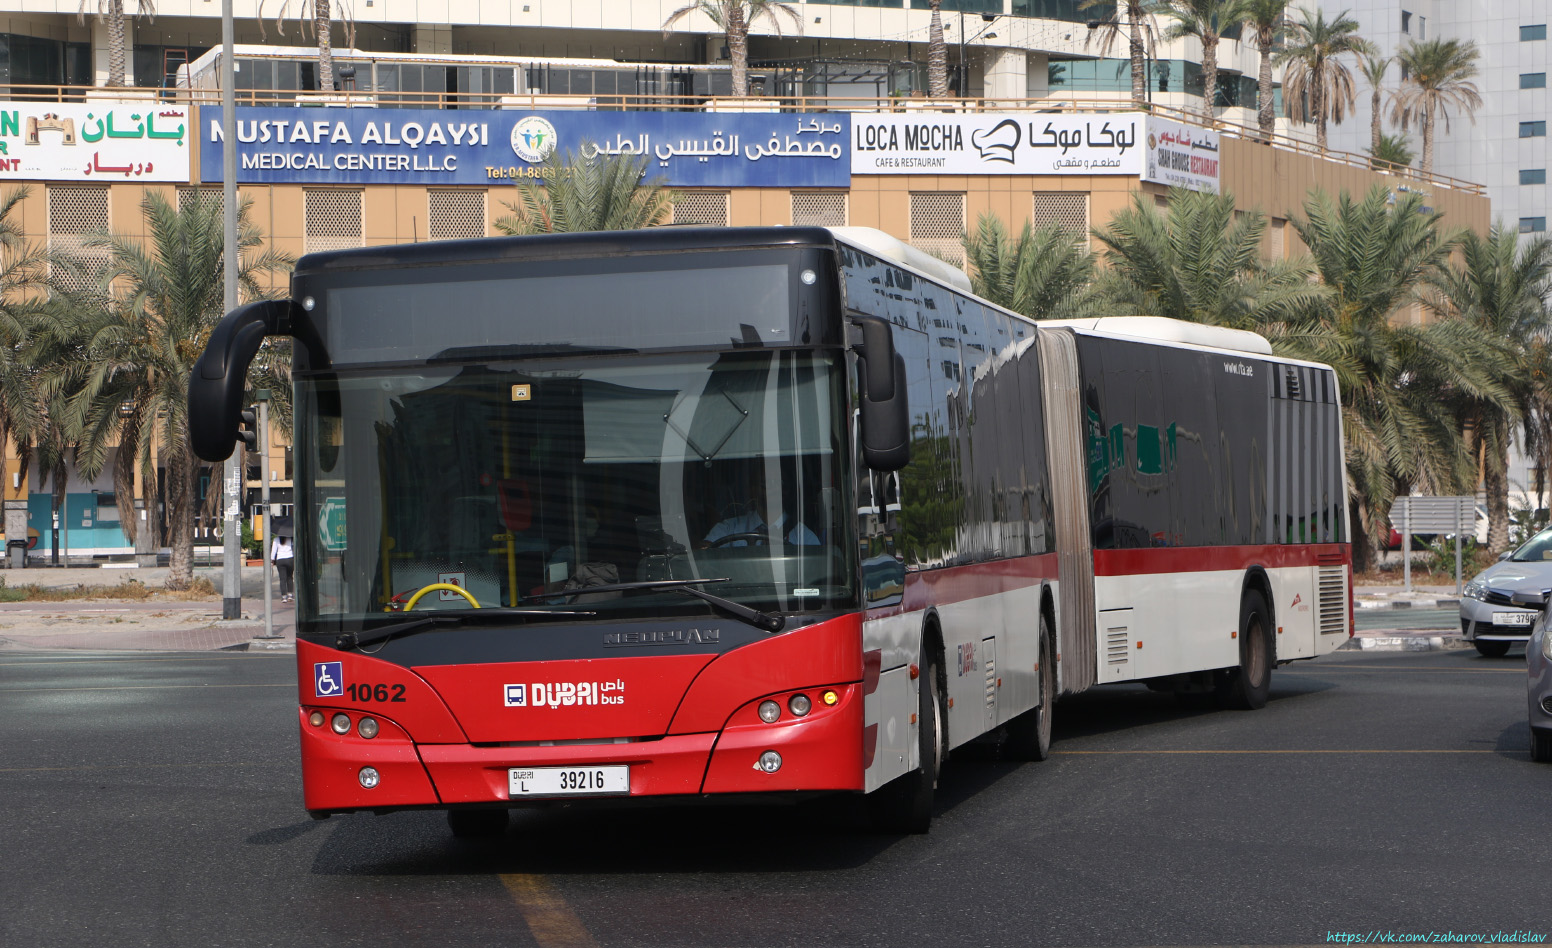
x: 1533, y: 225
x: 937, y: 223
x: 1529, y: 33
x: 1533, y: 80
x: 702, y: 207
x: 965, y: 6
x: 75, y: 213
x: 1533, y: 129
x: 333, y: 220
x: 1277, y: 239
x: 1422, y: 28
x: 1533, y: 176
x: 1406, y: 22
x: 1067, y: 210
x: 818, y: 208
x: 455, y: 215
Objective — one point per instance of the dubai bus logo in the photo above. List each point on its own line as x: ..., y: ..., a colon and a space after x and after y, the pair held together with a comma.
x: 564, y: 694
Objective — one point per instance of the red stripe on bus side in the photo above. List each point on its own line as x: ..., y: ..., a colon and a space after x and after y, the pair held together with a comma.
x: 1202, y: 559
x: 939, y: 587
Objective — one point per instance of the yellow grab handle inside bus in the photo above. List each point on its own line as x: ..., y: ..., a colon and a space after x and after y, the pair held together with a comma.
x: 447, y: 586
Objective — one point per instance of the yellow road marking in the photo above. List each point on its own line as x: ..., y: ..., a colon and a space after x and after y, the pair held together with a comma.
x: 1271, y: 751
x: 553, y: 923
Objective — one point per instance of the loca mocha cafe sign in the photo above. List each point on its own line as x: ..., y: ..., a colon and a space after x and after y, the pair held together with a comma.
x: 479, y: 147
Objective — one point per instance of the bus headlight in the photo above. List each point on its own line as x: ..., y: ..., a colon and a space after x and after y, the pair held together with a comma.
x: 341, y: 723
x: 315, y: 719
x: 800, y: 705
x: 769, y: 711
x: 369, y: 777
x: 367, y: 728
x: 770, y: 762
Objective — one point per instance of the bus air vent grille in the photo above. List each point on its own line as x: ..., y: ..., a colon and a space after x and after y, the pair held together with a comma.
x: 1333, y: 599
x: 1117, y: 646
x: 991, y: 682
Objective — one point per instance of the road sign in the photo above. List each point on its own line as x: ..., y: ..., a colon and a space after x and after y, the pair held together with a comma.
x: 1448, y: 515
x: 331, y: 524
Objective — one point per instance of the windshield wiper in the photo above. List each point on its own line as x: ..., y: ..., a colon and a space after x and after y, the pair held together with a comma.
x: 432, y: 620
x: 765, y: 621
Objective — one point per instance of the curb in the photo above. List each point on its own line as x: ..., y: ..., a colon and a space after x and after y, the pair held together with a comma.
x: 1452, y: 603
x: 1404, y: 643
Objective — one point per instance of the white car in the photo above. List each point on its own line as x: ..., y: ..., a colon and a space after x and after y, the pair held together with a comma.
x: 1489, y: 618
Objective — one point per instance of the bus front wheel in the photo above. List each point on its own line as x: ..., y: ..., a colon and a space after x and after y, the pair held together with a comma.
x: 1247, y: 686
x: 905, y: 804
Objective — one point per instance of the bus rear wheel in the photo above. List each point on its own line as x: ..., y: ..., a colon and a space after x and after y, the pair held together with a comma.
x: 477, y: 824
x: 1247, y: 686
x: 904, y: 805
x: 1029, y: 734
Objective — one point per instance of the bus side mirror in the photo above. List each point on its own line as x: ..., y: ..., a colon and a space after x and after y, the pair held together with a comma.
x: 886, y: 415
x: 220, y: 376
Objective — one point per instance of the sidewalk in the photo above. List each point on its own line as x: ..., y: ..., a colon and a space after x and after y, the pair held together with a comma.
x: 130, y: 624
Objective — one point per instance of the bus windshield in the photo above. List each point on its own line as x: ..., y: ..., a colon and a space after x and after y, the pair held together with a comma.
x: 526, y: 483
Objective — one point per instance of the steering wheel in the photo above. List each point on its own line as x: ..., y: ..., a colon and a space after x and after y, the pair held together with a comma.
x: 447, y: 586
x: 753, y: 539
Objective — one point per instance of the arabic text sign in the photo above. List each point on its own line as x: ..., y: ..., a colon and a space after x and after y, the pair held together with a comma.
x: 1183, y: 156
x: 992, y: 143
x: 95, y: 141
x: 479, y: 147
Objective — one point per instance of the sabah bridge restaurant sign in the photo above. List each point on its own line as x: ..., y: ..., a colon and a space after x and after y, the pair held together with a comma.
x: 1120, y: 143
x: 482, y: 147
x: 97, y: 141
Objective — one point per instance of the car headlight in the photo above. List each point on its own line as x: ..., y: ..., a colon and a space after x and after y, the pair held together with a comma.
x: 1475, y: 590
x: 1546, y: 644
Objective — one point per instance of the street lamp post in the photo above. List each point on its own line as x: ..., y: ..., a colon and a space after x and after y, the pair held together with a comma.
x: 231, y: 549
x: 964, y: 66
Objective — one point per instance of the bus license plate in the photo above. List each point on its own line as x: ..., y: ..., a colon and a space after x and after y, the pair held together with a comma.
x: 610, y: 779
x: 1517, y: 619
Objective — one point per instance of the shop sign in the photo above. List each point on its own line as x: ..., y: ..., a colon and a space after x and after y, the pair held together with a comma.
x: 94, y: 141
x: 1182, y: 156
x: 483, y: 147
x: 998, y: 143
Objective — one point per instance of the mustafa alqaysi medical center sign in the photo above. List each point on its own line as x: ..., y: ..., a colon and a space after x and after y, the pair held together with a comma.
x: 1120, y: 143
x: 484, y: 147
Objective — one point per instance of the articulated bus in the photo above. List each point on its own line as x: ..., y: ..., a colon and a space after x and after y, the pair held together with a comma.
x: 762, y: 514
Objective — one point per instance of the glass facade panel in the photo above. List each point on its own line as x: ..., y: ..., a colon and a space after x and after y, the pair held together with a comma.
x: 1053, y: 10
x: 1533, y: 225
x: 1533, y: 129
x: 962, y: 6
x: 1533, y: 80
x: 1536, y: 32
x: 1533, y: 176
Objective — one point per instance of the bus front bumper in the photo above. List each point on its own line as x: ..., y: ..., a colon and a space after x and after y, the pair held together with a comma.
x: 821, y: 751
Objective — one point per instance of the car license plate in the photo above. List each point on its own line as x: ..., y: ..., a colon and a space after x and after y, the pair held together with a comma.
x: 1516, y: 619
x: 597, y: 780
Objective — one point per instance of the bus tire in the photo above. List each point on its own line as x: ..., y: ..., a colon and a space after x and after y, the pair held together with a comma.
x: 1247, y: 685
x: 477, y: 824
x: 904, y: 805
x: 1029, y: 734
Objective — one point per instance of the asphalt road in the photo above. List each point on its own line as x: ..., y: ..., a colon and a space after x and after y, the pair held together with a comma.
x: 154, y: 800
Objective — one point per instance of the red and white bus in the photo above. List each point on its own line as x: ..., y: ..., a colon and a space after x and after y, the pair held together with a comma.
x: 690, y: 512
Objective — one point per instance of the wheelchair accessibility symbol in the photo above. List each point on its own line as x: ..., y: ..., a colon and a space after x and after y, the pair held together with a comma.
x: 328, y: 679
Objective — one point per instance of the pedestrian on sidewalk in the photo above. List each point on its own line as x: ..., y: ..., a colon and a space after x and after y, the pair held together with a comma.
x: 280, y: 553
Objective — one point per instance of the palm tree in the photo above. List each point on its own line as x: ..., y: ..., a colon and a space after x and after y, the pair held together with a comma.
x: 1438, y: 77
x: 320, y: 15
x: 1135, y: 18
x: 937, y: 54
x: 1374, y: 66
x: 577, y: 193
x: 139, y: 335
x: 1043, y: 274
x: 1399, y: 381
x: 1317, y: 83
x: 1394, y: 151
x: 21, y: 274
x: 111, y: 12
x: 1205, y: 20
x: 1201, y: 262
x: 1265, y: 19
x: 734, y: 17
x: 1500, y: 289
